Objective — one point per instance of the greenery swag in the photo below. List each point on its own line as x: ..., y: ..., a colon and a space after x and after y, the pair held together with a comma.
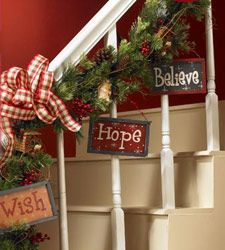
x: 160, y: 33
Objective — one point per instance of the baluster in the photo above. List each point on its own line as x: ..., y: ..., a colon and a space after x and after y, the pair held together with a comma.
x: 167, y: 163
x: 212, y: 113
x: 117, y: 214
x: 63, y: 224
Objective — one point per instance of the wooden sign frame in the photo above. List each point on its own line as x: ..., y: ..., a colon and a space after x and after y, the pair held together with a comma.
x: 173, y: 91
x: 35, y: 186
x: 146, y: 124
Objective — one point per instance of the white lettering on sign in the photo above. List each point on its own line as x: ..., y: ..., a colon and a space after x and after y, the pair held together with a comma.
x: 171, y: 79
x: 118, y: 135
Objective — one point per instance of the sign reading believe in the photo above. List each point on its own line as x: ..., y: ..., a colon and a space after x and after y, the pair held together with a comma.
x: 30, y: 204
x: 119, y: 137
x: 182, y: 77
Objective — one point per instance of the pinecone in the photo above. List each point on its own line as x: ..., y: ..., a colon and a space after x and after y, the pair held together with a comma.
x: 105, y: 54
x: 123, y: 62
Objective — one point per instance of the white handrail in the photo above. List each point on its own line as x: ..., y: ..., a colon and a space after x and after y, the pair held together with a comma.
x: 88, y: 37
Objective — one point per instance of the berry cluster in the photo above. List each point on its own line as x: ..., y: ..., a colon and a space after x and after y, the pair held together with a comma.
x: 145, y: 48
x: 30, y: 177
x: 80, y: 109
x: 160, y: 21
x: 39, y: 237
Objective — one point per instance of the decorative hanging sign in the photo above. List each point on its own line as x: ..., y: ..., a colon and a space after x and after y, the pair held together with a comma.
x: 31, y: 204
x: 119, y: 137
x: 182, y: 77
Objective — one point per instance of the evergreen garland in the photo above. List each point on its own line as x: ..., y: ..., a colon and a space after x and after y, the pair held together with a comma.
x: 22, y: 237
x: 160, y: 33
x: 20, y: 167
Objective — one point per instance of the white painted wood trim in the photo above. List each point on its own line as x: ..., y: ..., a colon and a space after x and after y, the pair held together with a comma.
x: 63, y: 223
x: 151, y: 156
x: 140, y: 210
x: 167, y: 161
x: 157, y: 110
x: 212, y: 112
x: 88, y: 37
x: 117, y: 214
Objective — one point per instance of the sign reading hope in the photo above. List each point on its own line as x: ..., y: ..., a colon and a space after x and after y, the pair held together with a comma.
x: 29, y: 204
x: 182, y: 77
x: 119, y: 136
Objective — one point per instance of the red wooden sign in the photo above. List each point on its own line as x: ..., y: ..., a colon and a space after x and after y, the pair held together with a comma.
x: 185, y: 76
x: 119, y: 137
x: 30, y: 204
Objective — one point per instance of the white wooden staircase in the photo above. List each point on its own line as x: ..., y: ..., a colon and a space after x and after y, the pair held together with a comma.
x: 152, y: 220
x: 196, y: 223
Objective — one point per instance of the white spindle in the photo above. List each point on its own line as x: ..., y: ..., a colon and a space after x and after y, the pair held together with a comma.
x: 212, y: 113
x: 117, y: 214
x: 64, y: 239
x: 167, y: 163
x: 82, y: 43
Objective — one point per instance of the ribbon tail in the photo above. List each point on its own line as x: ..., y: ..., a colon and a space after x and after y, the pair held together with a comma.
x: 66, y: 119
x: 7, y: 153
x: 7, y: 129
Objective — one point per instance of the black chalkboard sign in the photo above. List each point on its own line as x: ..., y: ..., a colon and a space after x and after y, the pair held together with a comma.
x: 182, y: 77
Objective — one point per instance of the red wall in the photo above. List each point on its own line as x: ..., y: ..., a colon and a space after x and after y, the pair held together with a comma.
x: 29, y: 27
x: 197, y: 35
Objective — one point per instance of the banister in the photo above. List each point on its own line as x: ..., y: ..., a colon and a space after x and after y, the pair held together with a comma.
x: 82, y: 43
x: 88, y: 37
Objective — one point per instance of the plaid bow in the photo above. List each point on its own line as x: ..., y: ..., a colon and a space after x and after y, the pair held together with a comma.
x: 25, y: 94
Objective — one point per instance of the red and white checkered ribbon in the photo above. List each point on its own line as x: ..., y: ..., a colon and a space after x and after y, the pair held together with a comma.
x: 25, y: 94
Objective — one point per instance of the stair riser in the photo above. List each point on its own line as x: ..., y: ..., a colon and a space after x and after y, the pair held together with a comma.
x: 89, y: 182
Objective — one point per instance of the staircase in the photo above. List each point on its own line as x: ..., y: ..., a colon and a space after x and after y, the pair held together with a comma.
x: 198, y: 219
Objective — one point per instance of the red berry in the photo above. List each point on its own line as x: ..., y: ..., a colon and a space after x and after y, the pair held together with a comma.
x: 160, y: 21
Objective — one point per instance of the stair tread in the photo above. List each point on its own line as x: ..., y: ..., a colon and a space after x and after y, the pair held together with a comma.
x: 161, y: 211
x: 149, y: 156
x: 140, y: 210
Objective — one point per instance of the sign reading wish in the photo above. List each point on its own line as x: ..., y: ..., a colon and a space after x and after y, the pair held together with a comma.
x: 182, y: 77
x: 30, y: 204
x: 119, y: 137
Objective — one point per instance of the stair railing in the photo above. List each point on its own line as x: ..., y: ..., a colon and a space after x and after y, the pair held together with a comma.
x: 212, y: 120
x: 102, y: 23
